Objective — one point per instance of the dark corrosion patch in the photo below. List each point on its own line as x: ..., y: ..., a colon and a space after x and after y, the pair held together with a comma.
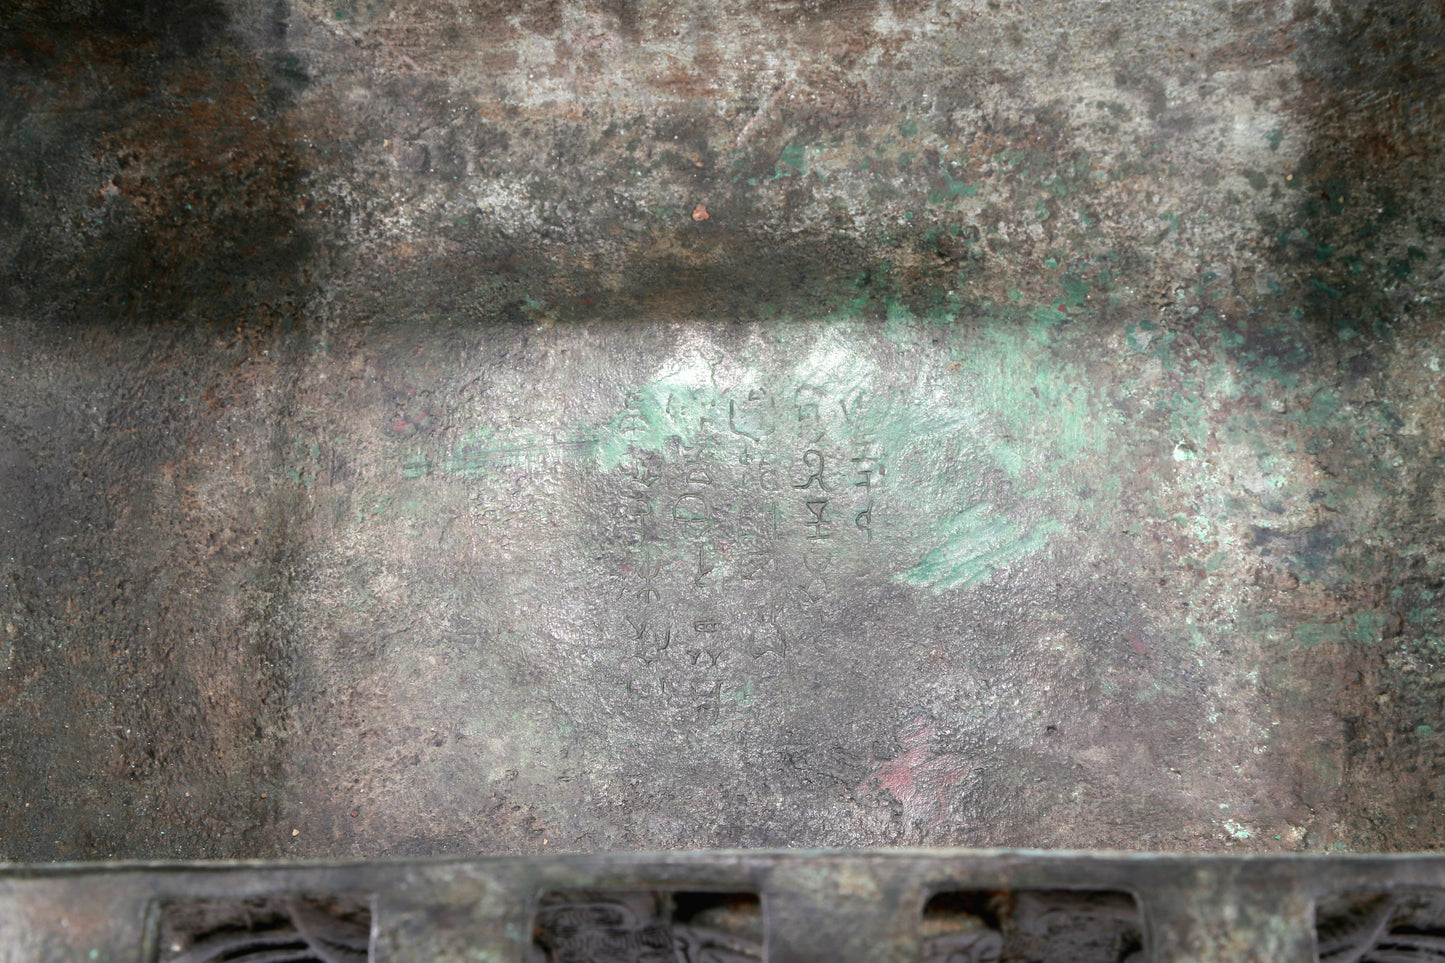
x: 649, y: 927
x: 280, y: 929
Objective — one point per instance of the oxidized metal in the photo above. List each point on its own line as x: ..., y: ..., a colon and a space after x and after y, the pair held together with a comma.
x: 445, y: 427
x: 887, y: 906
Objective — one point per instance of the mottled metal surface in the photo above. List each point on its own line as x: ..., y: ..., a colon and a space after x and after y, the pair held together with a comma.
x: 432, y: 428
x: 828, y: 907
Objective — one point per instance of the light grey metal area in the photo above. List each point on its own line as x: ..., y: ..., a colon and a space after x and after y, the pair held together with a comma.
x: 883, y: 906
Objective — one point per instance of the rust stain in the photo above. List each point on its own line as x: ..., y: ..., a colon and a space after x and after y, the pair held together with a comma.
x: 919, y: 777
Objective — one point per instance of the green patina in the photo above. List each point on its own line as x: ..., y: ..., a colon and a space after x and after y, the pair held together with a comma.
x: 1189, y: 420
x: 468, y: 457
x: 976, y: 543
x: 742, y: 698
x: 792, y: 160
x: 1153, y: 689
x: 1076, y: 290
x: 1146, y: 337
x: 670, y: 407
x: 1004, y: 390
x: 1001, y: 395
x: 947, y: 188
x: 1322, y: 410
x: 1369, y: 627
x: 1315, y: 633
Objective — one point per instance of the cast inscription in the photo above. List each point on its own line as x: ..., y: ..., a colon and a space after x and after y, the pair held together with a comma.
x: 737, y: 544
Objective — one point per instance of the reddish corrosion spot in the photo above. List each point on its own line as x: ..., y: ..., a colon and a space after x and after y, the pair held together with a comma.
x: 919, y: 777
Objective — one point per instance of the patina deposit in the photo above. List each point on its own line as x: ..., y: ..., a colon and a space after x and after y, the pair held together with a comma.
x: 433, y: 428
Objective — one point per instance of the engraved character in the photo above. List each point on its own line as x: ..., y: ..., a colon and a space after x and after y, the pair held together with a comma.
x: 755, y: 565
x: 711, y: 708
x: 705, y: 565
x: 814, y: 461
x: 764, y: 638
x: 864, y: 521
x: 647, y: 574
x: 768, y: 476
x: 651, y: 644
x: 637, y: 504
x: 821, y: 527
x: 817, y: 584
x: 691, y: 511
x: 870, y: 470
x: 742, y: 424
x: 810, y: 421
